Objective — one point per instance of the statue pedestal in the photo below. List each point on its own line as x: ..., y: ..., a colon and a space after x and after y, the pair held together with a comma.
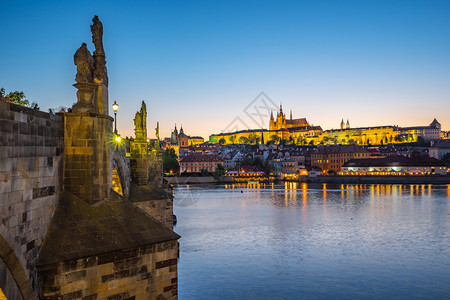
x: 85, y: 96
x: 87, y: 155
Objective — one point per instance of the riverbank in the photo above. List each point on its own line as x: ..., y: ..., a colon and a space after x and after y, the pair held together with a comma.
x: 195, y: 180
x: 326, y: 179
x: 380, y: 179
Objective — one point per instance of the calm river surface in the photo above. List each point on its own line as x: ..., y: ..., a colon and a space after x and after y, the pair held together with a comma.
x: 294, y: 240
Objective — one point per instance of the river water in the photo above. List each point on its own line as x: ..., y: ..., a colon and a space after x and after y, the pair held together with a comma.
x: 300, y: 241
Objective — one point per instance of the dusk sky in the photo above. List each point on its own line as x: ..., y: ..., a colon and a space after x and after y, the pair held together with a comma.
x: 200, y: 63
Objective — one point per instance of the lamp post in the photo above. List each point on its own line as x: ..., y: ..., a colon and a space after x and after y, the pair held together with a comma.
x: 115, y: 107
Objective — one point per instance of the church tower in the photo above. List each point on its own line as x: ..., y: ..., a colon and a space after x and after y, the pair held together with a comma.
x: 272, y: 122
x: 174, y: 136
x: 348, y: 125
x: 342, y: 123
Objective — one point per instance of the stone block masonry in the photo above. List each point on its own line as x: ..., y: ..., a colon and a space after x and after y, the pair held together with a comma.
x: 31, y: 151
x: 112, y: 250
x: 88, y: 149
x: 138, y: 273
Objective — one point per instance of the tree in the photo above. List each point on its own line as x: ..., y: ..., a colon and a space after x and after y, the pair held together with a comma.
x: 232, y: 139
x: 222, y: 141
x: 421, y: 141
x: 252, y: 138
x: 247, y: 161
x: 170, y: 161
x: 275, y: 138
x: 219, y: 172
x: 15, y: 97
x: 243, y: 140
x: 258, y: 162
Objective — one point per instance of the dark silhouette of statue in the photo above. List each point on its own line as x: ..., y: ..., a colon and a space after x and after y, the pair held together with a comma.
x: 140, y: 123
x: 85, y: 64
x: 100, y: 72
x: 97, y: 35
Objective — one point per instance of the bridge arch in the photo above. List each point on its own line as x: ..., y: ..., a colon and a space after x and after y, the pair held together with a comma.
x: 120, y: 174
x: 14, y: 281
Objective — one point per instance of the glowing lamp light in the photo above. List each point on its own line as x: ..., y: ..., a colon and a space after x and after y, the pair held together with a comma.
x: 118, y: 139
x: 115, y: 106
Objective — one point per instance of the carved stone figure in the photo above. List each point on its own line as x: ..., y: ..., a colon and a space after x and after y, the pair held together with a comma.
x: 157, y: 143
x: 144, y: 115
x: 85, y: 64
x: 100, y: 72
x: 138, y: 121
x: 157, y: 131
x: 97, y: 35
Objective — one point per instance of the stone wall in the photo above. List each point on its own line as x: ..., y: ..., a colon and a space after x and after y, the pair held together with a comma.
x: 161, y: 210
x: 31, y: 149
x: 87, y: 158
x: 148, y: 272
x: 8, y: 284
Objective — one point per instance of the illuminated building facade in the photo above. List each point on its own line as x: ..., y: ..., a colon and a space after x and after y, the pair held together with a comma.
x: 333, y: 157
x: 194, y: 163
x: 282, y: 123
x: 428, y: 133
x: 394, y: 165
x: 300, y: 132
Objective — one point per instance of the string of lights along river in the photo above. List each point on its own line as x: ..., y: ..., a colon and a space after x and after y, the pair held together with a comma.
x: 322, y: 241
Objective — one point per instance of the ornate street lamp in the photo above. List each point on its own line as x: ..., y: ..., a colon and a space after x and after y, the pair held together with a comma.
x: 115, y: 107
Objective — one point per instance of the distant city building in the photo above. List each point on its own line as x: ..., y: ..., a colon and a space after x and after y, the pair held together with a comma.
x: 183, y: 140
x: 428, y: 133
x: 333, y: 157
x: 395, y: 165
x: 439, y: 149
x: 195, y: 163
x: 300, y: 132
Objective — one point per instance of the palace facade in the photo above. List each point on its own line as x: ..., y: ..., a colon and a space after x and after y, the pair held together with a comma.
x: 300, y: 132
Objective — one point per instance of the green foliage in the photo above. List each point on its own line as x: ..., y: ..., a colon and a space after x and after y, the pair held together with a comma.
x: 243, y: 140
x: 232, y: 139
x: 170, y: 161
x: 275, y: 138
x: 219, y: 172
x: 252, y: 138
x: 421, y: 142
x: 222, y: 141
x: 15, y: 97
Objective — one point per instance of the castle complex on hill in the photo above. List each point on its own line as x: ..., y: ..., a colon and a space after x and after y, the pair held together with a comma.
x: 300, y: 132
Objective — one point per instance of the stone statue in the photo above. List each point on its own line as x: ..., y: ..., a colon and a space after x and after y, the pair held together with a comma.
x: 157, y: 131
x: 97, y: 35
x: 157, y: 143
x: 85, y: 64
x: 144, y: 115
x: 100, y: 72
x: 138, y: 121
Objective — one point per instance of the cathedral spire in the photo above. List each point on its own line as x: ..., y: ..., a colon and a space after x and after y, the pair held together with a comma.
x: 342, y: 123
x: 291, y: 114
x: 348, y: 124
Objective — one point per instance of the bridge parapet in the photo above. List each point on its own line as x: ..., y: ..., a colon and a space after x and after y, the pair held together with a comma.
x: 31, y: 149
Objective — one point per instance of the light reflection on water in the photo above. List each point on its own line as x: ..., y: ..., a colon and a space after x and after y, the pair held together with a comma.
x: 299, y: 240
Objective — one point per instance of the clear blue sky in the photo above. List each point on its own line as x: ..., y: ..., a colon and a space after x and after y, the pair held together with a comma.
x: 200, y: 63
